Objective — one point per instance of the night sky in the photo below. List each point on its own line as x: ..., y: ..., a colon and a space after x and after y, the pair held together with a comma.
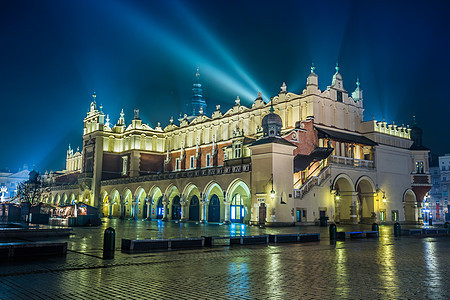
x: 143, y: 54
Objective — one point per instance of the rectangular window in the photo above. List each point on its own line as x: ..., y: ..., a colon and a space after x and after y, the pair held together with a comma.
x: 177, y: 164
x: 394, y: 215
x: 192, y: 162
x: 208, y: 160
x: 419, y: 167
x: 445, y: 194
x: 339, y: 96
x: 382, y: 215
x: 124, y: 165
x: 237, y: 150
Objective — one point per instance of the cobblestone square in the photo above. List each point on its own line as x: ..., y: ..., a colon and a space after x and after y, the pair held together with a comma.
x: 384, y: 268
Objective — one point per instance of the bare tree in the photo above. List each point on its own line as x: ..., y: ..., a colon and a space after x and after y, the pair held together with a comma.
x: 31, y: 190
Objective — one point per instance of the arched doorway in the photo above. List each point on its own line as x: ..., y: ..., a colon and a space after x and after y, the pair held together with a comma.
x: 159, y: 208
x: 194, y: 209
x: 105, y: 204
x: 139, y: 210
x: 152, y: 201
x: 410, y: 206
x: 214, y: 209
x: 237, y: 211
x: 346, y: 209
x: 176, y: 208
x: 115, y: 204
x: 238, y: 195
x: 366, y: 202
x: 127, y: 204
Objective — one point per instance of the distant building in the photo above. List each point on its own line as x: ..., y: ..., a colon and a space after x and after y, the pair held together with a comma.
x: 296, y: 159
x: 9, y: 181
x: 438, y: 204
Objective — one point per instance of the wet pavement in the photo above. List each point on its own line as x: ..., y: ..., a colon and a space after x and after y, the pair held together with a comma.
x: 384, y: 268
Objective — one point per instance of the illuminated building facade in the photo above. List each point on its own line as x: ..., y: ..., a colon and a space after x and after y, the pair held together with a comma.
x: 296, y: 159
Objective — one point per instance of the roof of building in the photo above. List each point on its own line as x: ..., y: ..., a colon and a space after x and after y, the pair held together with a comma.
x: 301, y: 162
x: 272, y: 139
x: 345, y: 137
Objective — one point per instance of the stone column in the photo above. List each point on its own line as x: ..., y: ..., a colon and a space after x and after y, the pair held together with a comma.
x: 183, y: 204
x: 122, y: 208
x: 354, y: 208
x: 135, y: 206
x: 149, y: 209
x: 202, y: 209
x: 111, y: 207
x: 227, y: 209
x: 165, y: 204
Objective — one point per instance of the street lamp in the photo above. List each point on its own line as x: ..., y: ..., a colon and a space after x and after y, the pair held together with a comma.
x: 272, y: 192
x: 384, y: 197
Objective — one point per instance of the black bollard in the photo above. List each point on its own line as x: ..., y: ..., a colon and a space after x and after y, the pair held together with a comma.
x: 109, y: 242
x: 333, y: 231
x: 430, y: 222
x: 397, y: 229
x: 375, y: 227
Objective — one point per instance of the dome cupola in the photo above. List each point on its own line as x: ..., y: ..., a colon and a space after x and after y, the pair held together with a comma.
x: 271, y: 123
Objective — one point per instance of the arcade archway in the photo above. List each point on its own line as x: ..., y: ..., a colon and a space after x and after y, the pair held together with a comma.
x: 345, y: 202
x: 365, y: 206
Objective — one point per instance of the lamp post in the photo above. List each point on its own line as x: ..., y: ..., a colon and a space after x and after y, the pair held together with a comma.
x: 272, y: 192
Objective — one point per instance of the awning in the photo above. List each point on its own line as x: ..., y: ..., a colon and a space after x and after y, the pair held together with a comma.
x: 344, y: 137
x: 301, y: 162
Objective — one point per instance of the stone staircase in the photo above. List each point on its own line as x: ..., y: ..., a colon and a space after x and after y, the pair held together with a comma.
x: 313, y: 181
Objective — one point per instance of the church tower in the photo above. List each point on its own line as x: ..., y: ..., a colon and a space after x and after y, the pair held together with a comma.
x: 91, y: 169
x: 198, y: 104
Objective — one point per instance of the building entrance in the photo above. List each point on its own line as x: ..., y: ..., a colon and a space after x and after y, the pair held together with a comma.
x: 159, y: 208
x: 214, y: 209
x: 237, y: 210
x: 194, y: 209
x: 262, y: 213
x: 176, y: 208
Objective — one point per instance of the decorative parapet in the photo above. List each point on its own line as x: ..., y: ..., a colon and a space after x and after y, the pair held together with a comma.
x: 384, y: 127
x: 180, y: 174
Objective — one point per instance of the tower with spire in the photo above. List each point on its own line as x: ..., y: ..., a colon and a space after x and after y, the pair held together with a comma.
x: 337, y: 86
x: 357, y: 95
x: 197, y: 102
